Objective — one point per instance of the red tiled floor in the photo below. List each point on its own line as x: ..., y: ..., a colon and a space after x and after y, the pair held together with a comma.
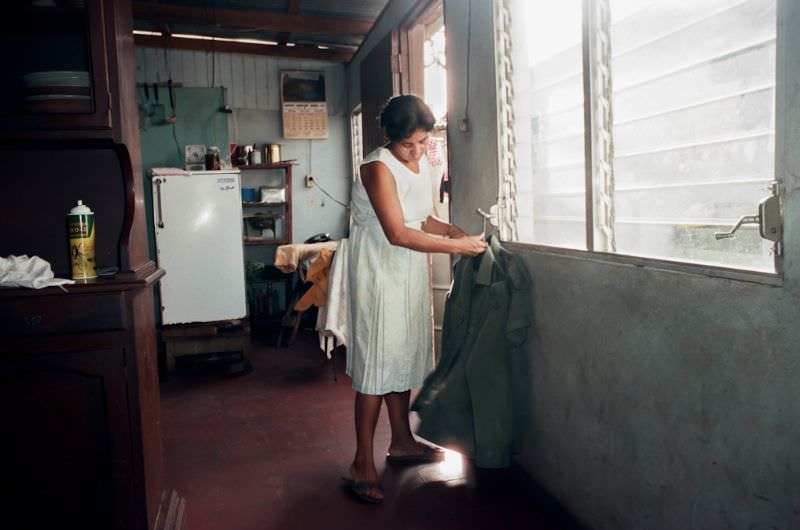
x: 267, y: 451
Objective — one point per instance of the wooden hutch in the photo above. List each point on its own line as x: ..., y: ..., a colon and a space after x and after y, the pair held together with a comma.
x: 79, y: 397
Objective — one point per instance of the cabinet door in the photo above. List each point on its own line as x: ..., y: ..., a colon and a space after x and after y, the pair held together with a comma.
x: 65, y: 451
x: 58, y: 75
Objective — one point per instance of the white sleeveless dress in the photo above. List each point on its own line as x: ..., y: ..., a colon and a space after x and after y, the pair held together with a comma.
x: 389, y: 308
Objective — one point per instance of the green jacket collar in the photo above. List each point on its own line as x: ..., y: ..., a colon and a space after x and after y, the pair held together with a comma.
x: 488, y: 261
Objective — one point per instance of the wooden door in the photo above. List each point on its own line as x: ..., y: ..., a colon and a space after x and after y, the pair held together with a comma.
x: 380, y: 80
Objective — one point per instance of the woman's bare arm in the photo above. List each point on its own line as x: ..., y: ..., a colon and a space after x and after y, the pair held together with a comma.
x: 382, y: 191
x: 434, y: 225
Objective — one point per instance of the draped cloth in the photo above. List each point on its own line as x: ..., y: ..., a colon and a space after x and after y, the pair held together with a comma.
x: 473, y: 399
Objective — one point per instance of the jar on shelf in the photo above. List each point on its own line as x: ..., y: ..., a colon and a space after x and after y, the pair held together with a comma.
x: 212, y: 159
x: 255, y: 155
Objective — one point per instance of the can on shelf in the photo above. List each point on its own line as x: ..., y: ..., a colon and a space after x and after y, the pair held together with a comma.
x: 273, y: 153
x: 80, y: 229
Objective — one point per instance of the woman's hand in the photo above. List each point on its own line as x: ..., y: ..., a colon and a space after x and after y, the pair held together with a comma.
x: 471, y: 245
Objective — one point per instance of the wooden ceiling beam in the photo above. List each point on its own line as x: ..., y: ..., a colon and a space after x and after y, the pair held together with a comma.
x: 240, y: 18
x: 292, y: 9
x: 163, y: 27
x: 297, y: 52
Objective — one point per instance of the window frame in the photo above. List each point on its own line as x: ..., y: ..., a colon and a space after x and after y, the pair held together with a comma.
x: 506, y: 201
x: 356, y: 139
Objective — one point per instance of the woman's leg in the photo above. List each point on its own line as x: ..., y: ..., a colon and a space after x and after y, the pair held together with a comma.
x: 403, y: 442
x: 367, y: 410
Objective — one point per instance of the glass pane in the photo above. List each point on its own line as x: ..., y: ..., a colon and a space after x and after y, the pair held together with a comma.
x: 694, y: 121
x: 548, y: 117
x: 355, y: 140
x: 435, y: 71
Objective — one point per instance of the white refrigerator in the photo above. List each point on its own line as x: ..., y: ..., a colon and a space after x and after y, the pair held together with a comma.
x: 198, y: 227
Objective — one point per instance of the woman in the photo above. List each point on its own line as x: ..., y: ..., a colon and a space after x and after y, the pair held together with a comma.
x: 390, y: 336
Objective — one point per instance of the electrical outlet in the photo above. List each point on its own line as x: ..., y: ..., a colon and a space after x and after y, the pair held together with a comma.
x: 309, y: 181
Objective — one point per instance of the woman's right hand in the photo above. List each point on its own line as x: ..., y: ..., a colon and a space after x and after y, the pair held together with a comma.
x: 471, y: 245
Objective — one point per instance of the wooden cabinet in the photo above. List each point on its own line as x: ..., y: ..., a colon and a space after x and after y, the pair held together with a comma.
x: 79, y: 397
x: 260, y: 217
x: 79, y: 405
x: 63, y: 433
x: 61, y: 73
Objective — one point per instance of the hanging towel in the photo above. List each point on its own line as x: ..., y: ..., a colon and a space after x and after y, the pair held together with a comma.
x: 333, y: 317
x: 468, y: 402
x: 317, y: 276
x: 288, y: 257
x: 32, y: 272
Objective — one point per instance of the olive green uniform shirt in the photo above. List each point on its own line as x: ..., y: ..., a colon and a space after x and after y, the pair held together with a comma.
x: 467, y: 401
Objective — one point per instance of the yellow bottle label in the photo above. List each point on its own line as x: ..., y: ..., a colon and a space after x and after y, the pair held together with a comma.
x: 81, y: 246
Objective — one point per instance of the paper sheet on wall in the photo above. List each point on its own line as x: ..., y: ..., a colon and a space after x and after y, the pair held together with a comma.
x: 304, y: 107
x: 305, y: 120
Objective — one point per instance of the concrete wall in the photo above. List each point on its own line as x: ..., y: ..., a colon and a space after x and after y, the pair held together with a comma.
x: 663, y: 400
x: 658, y: 399
x: 474, y: 154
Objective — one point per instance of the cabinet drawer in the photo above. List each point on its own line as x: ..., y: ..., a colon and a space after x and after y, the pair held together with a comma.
x: 39, y: 315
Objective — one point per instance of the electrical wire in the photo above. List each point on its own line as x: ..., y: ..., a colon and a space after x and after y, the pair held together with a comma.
x: 177, y: 144
x: 323, y: 190
x: 469, y: 50
x: 331, y: 197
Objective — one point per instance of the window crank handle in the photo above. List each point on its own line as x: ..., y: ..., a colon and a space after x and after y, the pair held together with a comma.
x: 745, y: 219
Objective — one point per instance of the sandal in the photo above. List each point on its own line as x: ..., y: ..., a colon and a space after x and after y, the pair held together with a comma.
x: 428, y: 456
x: 359, y: 489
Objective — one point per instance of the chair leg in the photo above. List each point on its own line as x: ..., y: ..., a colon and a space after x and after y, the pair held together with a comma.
x: 297, y: 318
x: 286, y: 319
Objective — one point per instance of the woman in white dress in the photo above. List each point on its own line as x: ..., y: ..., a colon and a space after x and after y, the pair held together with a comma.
x: 389, y: 311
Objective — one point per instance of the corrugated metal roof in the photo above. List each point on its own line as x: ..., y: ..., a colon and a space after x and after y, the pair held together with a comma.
x: 340, y: 25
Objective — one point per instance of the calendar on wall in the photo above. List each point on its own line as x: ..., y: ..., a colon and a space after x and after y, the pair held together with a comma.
x: 304, y: 108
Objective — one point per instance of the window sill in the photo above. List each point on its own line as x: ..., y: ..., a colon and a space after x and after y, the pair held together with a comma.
x: 675, y: 267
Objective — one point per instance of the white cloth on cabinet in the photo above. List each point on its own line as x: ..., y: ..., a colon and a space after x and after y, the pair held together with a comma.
x: 32, y: 272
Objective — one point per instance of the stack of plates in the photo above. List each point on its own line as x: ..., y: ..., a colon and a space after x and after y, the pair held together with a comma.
x: 57, y: 91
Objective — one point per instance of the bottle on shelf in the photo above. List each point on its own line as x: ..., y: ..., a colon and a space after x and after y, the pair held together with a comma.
x: 212, y: 159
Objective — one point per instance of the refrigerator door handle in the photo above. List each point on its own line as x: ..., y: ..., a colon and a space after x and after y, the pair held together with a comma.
x: 160, y: 220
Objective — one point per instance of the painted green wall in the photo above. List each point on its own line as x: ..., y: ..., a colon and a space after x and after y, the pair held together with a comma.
x: 198, y: 122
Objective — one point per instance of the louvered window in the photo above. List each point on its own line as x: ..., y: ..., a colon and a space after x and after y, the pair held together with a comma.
x: 639, y: 127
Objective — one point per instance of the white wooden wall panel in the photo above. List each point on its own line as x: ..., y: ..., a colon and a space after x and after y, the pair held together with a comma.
x: 261, y: 85
x: 234, y: 79
x: 252, y: 80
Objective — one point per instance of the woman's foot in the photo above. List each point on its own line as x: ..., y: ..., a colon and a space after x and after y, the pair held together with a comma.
x: 414, y: 451
x: 364, y: 483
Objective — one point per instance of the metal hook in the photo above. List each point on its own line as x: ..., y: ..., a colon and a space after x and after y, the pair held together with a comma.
x: 487, y: 217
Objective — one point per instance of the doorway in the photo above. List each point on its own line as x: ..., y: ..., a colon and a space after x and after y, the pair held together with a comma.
x: 422, y: 47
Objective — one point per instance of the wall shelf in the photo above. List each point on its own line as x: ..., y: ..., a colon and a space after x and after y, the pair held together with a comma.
x: 279, y: 165
x: 249, y: 242
x: 285, y: 233
x: 263, y: 204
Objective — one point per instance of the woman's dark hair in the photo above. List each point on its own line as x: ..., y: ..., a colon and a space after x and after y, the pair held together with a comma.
x: 402, y: 115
